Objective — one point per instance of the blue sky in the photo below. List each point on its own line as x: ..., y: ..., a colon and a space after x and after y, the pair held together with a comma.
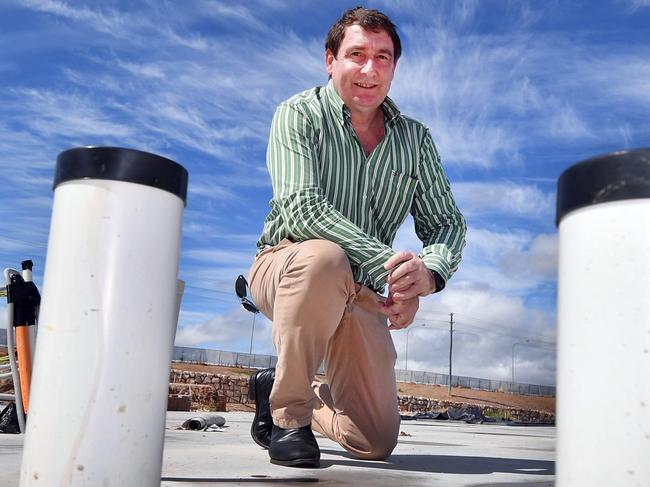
x: 513, y: 92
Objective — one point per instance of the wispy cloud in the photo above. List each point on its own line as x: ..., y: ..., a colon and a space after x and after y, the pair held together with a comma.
x: 239, y: 14
x: 175, y: 98
x: 503, y: 198
x: 129, y: 27
x: 634, y: 5
x: 67, y: 115
x: 220, y: 256
x: 487, y: 97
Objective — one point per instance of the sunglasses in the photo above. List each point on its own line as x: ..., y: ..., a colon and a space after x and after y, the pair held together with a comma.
x: 240, y: 289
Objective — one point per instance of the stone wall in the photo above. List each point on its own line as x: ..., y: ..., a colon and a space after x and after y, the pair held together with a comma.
x: 208, y: 390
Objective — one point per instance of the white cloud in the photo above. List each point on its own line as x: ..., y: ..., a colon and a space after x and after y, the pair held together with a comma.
x: 537, y: 261
x: 504, y: 198
x: 134, y: 28
x: 488, y: 97
x: 634, y: 5
x: 488, y: 323
x: 565, y: 122
x: 147, y: 70
x: 229, y: 331
x: 220, y: 256
x: 236, y: 13
x: 56, y: 114
x: 518, y: 263
x: 211, y: 190
x: 488, y: 295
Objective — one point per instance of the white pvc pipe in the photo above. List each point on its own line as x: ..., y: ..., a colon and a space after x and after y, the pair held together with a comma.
x: 109, y: 306
x: 11, y: 349
x: 603, y: 409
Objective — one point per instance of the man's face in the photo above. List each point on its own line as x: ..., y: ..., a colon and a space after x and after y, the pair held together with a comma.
x: 363, y: 68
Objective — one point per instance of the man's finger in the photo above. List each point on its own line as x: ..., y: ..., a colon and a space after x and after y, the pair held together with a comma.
x: 389, y: 309
x: 397, y: 259
x: 398, y: 323
x: 403, y: 270
x: 406, y: 295
x: 401, y: 283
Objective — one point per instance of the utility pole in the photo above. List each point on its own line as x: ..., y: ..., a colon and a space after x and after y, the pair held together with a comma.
x: 451, y: 343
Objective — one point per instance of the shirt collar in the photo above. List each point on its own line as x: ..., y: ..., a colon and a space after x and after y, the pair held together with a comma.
x: 342, y: 113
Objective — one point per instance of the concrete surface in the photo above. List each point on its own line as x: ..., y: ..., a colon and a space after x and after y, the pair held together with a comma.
x: 429, y: 453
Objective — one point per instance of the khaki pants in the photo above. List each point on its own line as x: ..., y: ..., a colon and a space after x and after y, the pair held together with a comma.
x: 319, y: 313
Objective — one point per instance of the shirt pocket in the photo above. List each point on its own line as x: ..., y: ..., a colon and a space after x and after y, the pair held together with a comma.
x: 392, y: 199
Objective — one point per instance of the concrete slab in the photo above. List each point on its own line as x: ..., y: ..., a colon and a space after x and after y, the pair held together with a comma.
x: 429, y: 453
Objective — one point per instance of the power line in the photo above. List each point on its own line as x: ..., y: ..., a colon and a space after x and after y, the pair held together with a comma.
x: 496, y: 330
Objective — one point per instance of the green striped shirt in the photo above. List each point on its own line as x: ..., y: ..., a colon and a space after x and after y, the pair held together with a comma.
x: 325, y: 187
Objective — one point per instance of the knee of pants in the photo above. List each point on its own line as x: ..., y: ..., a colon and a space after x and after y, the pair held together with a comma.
x: 373, y: 445
x: 325, y: 261
x: 380, y: 447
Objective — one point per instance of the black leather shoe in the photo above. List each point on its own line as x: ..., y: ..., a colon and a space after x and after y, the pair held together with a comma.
x: 295, y: 447
x: 259, y: 390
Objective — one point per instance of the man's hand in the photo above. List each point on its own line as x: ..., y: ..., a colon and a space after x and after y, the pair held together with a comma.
x: 400, y: 313
x: 411, y: 279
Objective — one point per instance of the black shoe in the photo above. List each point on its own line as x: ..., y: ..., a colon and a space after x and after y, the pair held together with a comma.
x: 259, y: 390
x: 295, y: 447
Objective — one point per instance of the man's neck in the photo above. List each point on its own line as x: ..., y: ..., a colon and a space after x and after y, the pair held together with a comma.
x: 366, y: 121
x: 369, y: 129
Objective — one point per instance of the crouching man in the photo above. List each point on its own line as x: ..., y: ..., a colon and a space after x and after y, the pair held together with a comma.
x: 346, y: 167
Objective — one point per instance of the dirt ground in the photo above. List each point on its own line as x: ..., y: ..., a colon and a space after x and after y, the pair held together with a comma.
x: 463, y: 395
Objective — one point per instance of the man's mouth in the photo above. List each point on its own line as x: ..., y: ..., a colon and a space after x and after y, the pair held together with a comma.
x: 365, y: 85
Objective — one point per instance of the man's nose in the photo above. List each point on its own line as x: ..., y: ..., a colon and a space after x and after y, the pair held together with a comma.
x: 369, y: 67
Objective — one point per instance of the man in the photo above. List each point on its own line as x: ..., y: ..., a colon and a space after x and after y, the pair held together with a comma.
x: 346, y: 168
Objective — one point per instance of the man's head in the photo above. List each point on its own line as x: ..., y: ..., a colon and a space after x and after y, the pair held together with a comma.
x: 361, y: 53
x: 369, y: 19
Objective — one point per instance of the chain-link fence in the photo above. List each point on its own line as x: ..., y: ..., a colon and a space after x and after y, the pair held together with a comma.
x: 220, y: 357
x: 420, y: 377
x: 235, y: 359
x: 259, y: 361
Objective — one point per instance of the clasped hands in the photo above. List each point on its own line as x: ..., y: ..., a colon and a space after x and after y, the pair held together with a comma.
x: 407, y: 281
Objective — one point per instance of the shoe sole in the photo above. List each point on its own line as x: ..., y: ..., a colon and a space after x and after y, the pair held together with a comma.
x: 298, y: 463
x: 252, y: 395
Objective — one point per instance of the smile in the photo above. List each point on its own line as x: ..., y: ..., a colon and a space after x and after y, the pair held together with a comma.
x: 365, y: 85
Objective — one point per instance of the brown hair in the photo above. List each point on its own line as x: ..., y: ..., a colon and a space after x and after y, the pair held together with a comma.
x: 369, y: 19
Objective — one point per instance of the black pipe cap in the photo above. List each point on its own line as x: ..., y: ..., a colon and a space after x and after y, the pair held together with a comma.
x: 119, y: 164
x: 610, y: 177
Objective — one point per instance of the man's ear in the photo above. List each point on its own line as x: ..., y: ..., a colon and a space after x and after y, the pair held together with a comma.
x: 329, y: 60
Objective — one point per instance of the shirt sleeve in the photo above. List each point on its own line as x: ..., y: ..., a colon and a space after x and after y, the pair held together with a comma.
x: 438, y: 222
x: 292, y: 161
